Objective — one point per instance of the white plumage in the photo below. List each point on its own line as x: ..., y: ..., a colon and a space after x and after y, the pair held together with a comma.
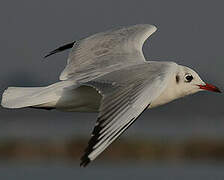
x: 107, y: 72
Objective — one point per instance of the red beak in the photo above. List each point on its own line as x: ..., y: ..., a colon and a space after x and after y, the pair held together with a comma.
x: 209, y: 87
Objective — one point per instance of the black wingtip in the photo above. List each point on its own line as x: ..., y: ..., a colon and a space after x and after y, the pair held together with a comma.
x: 85, y: 161
x: 60, y: 49
x: 51, y: 53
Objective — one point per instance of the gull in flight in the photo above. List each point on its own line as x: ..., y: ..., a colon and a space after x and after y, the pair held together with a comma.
x: 107, y: 73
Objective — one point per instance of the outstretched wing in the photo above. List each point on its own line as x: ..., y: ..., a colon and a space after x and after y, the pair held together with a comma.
x: 126, y: 93
x: 107, y: 50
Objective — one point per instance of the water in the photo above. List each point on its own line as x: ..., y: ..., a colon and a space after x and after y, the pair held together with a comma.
x: 112, y: 171
x: 59, y: 125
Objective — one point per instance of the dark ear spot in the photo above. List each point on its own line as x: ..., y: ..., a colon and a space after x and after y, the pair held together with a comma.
x: 177, y: 79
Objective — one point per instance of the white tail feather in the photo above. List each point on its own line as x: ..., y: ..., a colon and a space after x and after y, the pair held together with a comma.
x: 19, y: 97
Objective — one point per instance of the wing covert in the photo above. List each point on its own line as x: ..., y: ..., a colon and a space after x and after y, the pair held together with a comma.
x: 107, y: 50
x: 125, y: 96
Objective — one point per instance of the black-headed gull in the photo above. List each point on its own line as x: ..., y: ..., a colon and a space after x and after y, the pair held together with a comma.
x: 107, y: 73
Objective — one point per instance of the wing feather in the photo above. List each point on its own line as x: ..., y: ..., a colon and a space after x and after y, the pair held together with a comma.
x: 107, y: 50
x: 124, y: 98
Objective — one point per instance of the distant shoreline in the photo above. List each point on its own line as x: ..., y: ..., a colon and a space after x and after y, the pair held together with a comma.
x: 123, y: 149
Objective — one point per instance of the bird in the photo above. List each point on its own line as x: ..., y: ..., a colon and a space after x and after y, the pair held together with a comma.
x: 107, y: 73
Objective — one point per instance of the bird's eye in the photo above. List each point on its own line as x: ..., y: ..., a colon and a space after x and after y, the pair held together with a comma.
x: 188, y: 77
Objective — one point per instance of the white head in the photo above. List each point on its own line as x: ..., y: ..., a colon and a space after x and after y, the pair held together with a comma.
x: 185, y: 81
x: 189, y: 82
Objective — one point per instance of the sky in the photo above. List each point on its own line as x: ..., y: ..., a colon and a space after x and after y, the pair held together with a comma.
x: 189, y: 33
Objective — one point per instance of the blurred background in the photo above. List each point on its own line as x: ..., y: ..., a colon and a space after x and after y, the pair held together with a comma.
x: 181, y: 140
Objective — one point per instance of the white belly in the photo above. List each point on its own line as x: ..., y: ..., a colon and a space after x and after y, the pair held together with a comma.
x: 82, y: 99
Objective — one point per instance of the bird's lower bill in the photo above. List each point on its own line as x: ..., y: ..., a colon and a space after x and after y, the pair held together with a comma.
x: 209, y: 87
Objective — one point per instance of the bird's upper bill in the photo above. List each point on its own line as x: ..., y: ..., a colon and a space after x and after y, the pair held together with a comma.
x: 209, y: 87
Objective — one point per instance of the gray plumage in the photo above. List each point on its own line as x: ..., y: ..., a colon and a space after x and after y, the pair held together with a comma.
x: 126, y: 93
x: 107, y: 72
x: 107, y: 51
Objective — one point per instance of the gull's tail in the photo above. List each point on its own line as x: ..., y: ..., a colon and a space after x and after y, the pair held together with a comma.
x: 19, y: 97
